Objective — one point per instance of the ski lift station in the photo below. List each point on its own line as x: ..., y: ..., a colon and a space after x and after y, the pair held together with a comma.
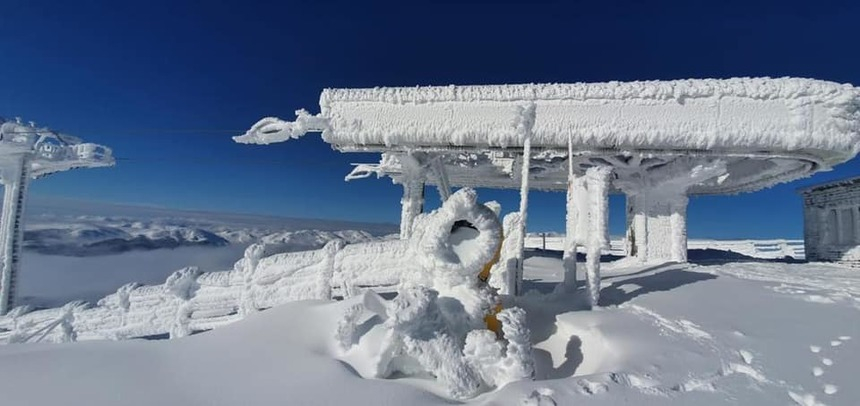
x: 29, y: 152
x: 656, y: 142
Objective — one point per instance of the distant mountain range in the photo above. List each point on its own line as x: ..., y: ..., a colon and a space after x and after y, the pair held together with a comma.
x: 80, y: 228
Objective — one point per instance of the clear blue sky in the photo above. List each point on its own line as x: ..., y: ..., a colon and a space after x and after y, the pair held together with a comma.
x: 167, y: 83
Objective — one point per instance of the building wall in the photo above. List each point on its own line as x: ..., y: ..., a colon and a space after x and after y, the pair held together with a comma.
x: 831, y: 223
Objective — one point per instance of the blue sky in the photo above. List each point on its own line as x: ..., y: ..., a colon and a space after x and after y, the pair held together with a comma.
x: 167, y: 83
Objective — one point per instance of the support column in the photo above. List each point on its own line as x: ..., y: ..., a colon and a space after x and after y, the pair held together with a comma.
x: 16, y: 179
x: 678, y: 223
x: 597, y: 179
x: 629, y: 235
x: 524, y: 204
x: 411, y: 205
x: 659, y: 226
x: 571, y: 219
x: 637, y: 228
x: 524, y: 124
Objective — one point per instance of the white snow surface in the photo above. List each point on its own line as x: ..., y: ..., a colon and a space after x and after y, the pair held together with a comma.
x: 741, y: 114
x: 664, y: 335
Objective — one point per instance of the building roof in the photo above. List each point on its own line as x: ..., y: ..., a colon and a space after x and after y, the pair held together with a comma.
x: 745, y: 114
x: 854, y: 180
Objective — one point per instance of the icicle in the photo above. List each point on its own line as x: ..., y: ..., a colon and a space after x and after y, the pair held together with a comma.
x: 442, y: 183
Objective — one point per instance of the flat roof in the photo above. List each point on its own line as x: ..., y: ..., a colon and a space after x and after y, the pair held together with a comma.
x: 829, y: 185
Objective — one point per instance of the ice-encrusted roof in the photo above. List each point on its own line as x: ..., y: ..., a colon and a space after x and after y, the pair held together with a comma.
x: 742, y: 114
x: 765, y: 130
x: 760, y: 114
x: 48, y: 151
x: 854, y: 180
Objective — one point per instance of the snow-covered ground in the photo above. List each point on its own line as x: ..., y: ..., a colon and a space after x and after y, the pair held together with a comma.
x: 763, y: 333
x: 727, y: 329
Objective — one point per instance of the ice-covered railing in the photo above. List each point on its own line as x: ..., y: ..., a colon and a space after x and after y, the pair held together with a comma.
x: 765, y: 249
x: 191, y: 301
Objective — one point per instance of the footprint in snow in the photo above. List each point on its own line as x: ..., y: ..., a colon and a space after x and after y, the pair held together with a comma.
x: 817, y: 371
x: 540, y: 397
x: 806, y: 399
x: 830, y: 389
x: 835, y: 343
x: 815, y: 349
x: 746, y: 356
x: 827, y: 361
x: 844, y: 338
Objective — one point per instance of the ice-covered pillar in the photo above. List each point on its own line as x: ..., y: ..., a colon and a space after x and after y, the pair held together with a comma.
x: 525, y: 122
x: 637, y: 227
x: 678, y: 224
x: 597, y: 182
x: 657, y: 207
x: 15, y: 181
x: 658, y: 227
x: 411, y: 205
x: 575, y: 188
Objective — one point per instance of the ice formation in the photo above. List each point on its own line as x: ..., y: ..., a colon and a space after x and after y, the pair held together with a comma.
x: 28, y: 152
x: 271, y: 272
x: 784, y: 114
x: 662, y: 141
x: 436, y: 323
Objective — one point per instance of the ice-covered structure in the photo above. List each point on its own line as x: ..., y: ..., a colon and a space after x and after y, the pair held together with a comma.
x: 831, y: 221
x: 657, y: 142
x: 29, y: 152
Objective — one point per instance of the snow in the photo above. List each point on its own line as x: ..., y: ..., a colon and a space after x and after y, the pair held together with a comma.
x: 640, y: 348
x: 740, y: 114
x: 663, y: 333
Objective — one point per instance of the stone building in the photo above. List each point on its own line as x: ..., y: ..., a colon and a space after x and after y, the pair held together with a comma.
x: 831, y: 221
